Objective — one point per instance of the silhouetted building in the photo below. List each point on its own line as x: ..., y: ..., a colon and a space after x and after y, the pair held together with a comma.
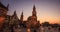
x: 3, y: 14
x: 45, y: 24
x: 13, y: 24
x: 32, y: 20
x: 3, y: 10
x: 21, y: 18
x: 14, y: 19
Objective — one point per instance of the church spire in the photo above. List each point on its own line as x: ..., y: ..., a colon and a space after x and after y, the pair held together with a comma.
x: 7, y: 7
x: 21, y: 18
x: 34, y: 8
x: 14, y: 13
x: 34, y: 11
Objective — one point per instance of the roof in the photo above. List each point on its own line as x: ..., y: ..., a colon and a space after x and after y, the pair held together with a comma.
x: 2, y: 6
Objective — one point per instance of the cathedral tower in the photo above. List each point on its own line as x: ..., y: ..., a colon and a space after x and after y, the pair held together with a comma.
x: 14, y: 19
x: 34, y: 11
x: 32, y: 20
x: 34, y: 16
x: 21, y: 18
x: 15, y: 15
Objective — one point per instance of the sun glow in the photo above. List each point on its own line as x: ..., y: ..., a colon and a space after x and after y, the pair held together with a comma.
x: 51, y: 20
x: 2, y: 19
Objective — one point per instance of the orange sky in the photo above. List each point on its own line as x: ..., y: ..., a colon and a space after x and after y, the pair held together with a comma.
x: 48, y: 19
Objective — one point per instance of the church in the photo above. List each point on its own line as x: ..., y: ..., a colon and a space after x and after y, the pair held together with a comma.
x: 11, y: 23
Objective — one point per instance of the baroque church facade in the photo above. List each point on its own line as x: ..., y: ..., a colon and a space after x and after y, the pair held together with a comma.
x: 14, y: 24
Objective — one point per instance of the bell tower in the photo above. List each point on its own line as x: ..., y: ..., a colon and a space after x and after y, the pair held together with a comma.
x: 34, y: 11
x: 21, y: 18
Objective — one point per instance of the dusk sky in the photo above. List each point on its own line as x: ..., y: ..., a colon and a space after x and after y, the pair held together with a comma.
x: 47, y: 10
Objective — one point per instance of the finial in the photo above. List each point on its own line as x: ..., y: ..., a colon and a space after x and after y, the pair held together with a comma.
x: 34, y: 6
x: 0, y: 2
x: 7, y: 6
x: 22, y: 10
x: 15, y: 12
